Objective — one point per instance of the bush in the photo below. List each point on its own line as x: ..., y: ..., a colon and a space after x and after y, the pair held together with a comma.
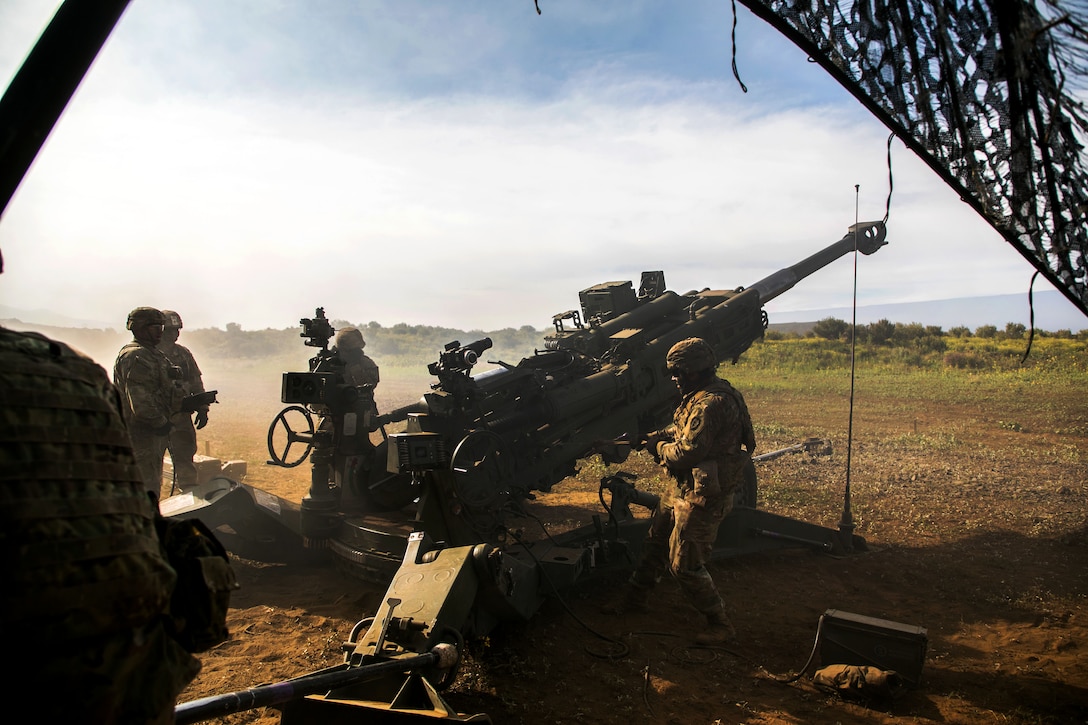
x: 964, y: 360
x: 881, y: 332
x: 830, y: 328
x: 1015, y: 331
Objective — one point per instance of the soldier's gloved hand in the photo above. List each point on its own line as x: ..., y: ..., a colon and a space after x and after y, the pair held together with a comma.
x: 163, y: 429
x: 649, y: 442
x: 201, y: 419
x: 659, y: 458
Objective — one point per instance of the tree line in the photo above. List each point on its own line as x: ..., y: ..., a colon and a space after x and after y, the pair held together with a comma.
x: 401, y: 344
x: 404, y: 345
x: 885, y: 332
x: 832, y: 343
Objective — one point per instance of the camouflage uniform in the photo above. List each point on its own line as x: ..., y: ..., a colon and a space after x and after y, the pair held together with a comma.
x: 358, y: 368
x: 146, y: 380
x: 702, y: 451
x: 362, y: 372
x: 86, y: 586
x: 182, y: 440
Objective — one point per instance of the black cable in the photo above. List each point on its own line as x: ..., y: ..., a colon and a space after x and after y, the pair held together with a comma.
x: 891, y: 183
x: 623, y: 648
x: 733, y: 38
x: 808, y: 662
x: 1031, y: 312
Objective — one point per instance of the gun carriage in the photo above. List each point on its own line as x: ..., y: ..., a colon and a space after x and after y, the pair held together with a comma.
x: 427, y: 510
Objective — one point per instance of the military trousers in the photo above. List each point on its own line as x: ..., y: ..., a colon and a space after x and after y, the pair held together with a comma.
x: 679, y: 541
x: 148, y: 448
x: 182, y: 447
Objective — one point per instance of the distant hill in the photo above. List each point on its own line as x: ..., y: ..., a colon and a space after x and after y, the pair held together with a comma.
x: 1052, y: 312
x: 48, y: 318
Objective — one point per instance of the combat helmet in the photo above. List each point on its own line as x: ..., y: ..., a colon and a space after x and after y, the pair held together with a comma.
x: 349, y: 338
x: 173, y: 319
x: 692, y: 355
x: 144, y: 316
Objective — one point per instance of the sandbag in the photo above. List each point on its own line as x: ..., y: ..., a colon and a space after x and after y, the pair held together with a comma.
x: 859, y: 681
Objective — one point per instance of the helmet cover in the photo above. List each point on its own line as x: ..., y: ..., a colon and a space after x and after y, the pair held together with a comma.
x: 144, y: 316
x: 692, y: 355
x: 173, y: 319
x: 349, y: 338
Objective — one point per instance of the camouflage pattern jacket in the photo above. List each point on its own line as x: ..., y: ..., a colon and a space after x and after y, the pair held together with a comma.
x: 192, y: 380
x: 146, y: 380
x: 359, y: 369
x: 81, y: 554
x: 708, y: 430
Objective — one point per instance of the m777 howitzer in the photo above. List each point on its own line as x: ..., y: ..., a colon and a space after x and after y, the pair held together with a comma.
x: 428, y: 510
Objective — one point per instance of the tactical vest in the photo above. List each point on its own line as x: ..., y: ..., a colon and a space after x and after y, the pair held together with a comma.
x: 722, y: 388
x: 748, y: 433
x: 79, y: 551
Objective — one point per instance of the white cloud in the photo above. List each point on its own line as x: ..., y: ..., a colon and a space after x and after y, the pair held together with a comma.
x: 463, y: 209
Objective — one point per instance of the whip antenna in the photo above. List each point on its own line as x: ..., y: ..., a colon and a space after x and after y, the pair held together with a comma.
x: 846, y: 523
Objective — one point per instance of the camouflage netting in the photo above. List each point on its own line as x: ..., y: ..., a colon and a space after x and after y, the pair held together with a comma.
x: 985, y: 91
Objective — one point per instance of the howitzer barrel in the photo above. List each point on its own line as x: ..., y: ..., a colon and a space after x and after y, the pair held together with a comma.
x: 868, y: 236
x: 402, y: 413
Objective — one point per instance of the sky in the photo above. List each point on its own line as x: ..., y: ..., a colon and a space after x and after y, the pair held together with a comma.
x: 469, y: 165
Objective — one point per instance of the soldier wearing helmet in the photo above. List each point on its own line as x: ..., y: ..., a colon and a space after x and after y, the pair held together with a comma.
x: 358, y: 368
x: 705, y: 450
x: 182, y: 440
x: 362, y: 372
x: 90, y: 609
x: 149, y: 392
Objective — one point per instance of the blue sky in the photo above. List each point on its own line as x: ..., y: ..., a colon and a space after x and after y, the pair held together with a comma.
x: 470, y: 165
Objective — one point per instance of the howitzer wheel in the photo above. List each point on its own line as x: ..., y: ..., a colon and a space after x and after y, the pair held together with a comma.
x: 279, y: 443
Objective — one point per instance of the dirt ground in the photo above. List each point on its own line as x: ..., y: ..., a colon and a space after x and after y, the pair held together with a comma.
x: 976, y: 533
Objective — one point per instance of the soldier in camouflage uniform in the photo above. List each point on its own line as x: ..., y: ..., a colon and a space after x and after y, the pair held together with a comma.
x: 362, y: 372
x: 182, y: 440
x: 86, y: 588
x: 358, y: 368
x: 150, y: 393
x: 705, y: 451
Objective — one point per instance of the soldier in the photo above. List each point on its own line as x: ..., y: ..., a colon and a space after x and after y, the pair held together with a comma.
x: 702, y: 451
x: 182, y: 440
x: 149, y: 394
x: 358, y: 368
x: 87, y: 589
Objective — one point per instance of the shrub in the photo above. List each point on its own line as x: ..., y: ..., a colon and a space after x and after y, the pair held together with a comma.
x: 881, y: 332
x: 830, y: 328
x: 1015, y: 331
x: 963, y: 360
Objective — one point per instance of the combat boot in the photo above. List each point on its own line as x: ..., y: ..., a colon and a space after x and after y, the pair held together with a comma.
x: 719, y: 630
x: 631, y: 599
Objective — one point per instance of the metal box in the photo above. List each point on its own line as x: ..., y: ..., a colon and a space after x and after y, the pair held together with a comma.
x: 854, y: 639
x: 307, y: 387
x: 607, y: 301
x: 416, y: 452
